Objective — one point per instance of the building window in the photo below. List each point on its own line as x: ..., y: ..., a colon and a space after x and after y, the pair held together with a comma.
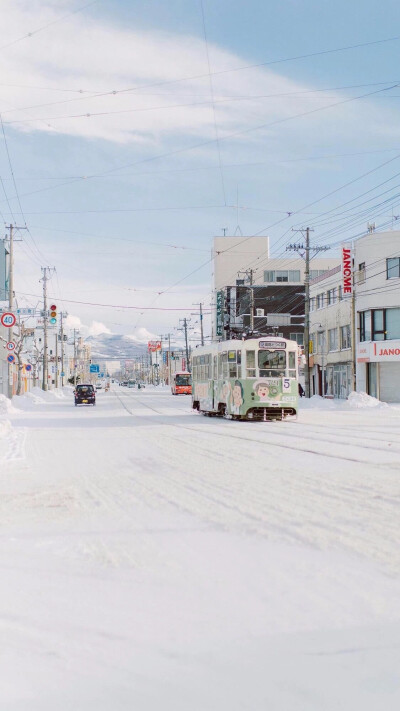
x: 333, y: 339
x: 361, y: 273
x: 393, y: 268
x: 321, y: 342
x: 331, y: 296
x: 298, y: 337
x: 312, y: 303
x: 392, y: 330
x: 320, y: 301
x: 340, y: 292
x: 365, y: 326
x: 345, y: 337
x: 378, y: 325
x: 282, y: 276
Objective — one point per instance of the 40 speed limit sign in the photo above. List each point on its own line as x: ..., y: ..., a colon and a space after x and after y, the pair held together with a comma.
x: 8, y: 319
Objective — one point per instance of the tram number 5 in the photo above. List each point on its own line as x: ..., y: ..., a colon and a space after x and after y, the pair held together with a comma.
x: 286, y: 383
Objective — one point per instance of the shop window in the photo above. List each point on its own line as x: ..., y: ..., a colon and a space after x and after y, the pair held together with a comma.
x: 333, y: 339
x: 393, y: 268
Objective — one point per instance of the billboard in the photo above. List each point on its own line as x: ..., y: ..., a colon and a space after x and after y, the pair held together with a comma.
x: 220, y: 315
x: 154, y: 346
x: 347, y: 271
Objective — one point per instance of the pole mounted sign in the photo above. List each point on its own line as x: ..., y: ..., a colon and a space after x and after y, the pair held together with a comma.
x: 10, y: 346
x: 11, y: 358
x: 28, y: 368
x: 154, y: 346
x: 347, y: 282
x: 8, y: 319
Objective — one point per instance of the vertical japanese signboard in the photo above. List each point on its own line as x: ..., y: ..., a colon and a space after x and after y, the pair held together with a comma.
x: 220, y: 313
x: 3, y: 273
x: 347, y: 272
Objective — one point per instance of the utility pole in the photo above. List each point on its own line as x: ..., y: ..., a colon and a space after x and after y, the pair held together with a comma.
x: 62, y: 348
x: 11, y: 296
x: 185, y: 330
x: 201, y: 322
x: 45, y: 373
x: 306, y: 249
x: 249, y: 274
x: 75, y: 363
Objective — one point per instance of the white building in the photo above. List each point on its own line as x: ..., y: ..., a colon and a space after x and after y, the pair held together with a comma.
x: 331, y: 352
x: 232, y: 255
x: 377, y: 284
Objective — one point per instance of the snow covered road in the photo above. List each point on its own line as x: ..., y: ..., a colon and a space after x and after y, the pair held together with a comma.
x: 153, y: 558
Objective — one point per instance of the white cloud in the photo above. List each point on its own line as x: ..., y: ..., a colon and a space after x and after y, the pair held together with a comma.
x: 73, y: 322
x: 97, y: 328
x: 142, y: 335
x: 108, y: 58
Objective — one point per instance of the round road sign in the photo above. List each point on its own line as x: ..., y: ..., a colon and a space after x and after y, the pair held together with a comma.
x: 11, y: 358
x: 8, y: 319
x: 28, y: 368
x: 10, y: 346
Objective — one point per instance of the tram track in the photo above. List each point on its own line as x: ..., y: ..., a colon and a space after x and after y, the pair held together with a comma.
x: 211, y: 430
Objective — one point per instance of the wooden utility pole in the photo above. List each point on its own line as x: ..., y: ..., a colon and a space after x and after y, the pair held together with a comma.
x: 306, y: 249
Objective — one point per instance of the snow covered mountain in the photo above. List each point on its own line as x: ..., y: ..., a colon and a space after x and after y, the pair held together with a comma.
x: 115, y: 347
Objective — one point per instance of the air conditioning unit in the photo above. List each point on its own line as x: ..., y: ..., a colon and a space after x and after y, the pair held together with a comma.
x: 260, y: 312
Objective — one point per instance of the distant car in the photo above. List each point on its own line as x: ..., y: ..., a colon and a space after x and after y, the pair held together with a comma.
x: 99, y: 386
x: 131, y: 383
x: 85, y: 394
x: 124, y: 383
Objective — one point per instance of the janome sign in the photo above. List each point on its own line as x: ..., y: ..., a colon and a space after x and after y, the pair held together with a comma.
x: 378, y: 351
x: 347, y: 279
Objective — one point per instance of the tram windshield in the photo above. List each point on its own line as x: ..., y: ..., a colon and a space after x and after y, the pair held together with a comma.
x: 271, y: 364
x: 182, y: 379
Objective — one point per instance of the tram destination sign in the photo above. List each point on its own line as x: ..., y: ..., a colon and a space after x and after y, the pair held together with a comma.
x: 272, y: 344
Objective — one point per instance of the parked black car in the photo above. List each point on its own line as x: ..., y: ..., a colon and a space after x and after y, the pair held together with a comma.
x: 85, y: 395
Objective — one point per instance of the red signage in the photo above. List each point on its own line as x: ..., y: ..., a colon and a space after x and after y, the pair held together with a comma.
x: 347, y: 272
x: 154, y: 346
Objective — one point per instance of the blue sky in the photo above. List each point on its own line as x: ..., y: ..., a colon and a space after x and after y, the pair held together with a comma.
x: 125, y: 201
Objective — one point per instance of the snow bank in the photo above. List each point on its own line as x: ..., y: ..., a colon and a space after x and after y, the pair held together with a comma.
x: 6, y: 409
x: 316, y: 402
x: 40, y: 397
x: 362, y: 400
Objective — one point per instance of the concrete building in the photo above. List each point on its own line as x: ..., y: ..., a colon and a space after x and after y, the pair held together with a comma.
x: 331, y: 353
x: 377, y: 287
x: 282, y: 279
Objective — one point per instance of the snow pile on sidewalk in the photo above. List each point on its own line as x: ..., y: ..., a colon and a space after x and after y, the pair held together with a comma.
x: 6, y: 409
x: 40, y: 397
x: 361, y: 400
x: 316, y: 402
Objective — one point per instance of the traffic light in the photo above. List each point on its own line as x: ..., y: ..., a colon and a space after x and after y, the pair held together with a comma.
x: 53, y: 314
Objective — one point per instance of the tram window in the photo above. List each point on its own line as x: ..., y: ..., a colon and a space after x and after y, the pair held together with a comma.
x: 220, y: 365
x: 251, y: 364
x: 225, y: 370
x: 271, y: 364
x: 292, y: 364
x: 215, y: 374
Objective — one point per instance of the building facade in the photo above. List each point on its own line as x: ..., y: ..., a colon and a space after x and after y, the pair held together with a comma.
x: 377, y: 319
x: 331, y: 336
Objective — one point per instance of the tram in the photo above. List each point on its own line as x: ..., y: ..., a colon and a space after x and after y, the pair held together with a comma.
x: 181, y: 383
x: 254, y: 379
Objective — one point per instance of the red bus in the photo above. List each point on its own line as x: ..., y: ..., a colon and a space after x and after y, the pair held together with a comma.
x: 181, y: 384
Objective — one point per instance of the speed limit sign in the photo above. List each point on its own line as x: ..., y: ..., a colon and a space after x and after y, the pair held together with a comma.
x: 10, y: 346
x: 8, y: 319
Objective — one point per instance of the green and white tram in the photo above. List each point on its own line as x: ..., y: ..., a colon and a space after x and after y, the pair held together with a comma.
x: 254, y: 379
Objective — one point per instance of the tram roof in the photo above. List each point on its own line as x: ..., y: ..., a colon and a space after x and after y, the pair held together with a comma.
x: 247, y: 343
